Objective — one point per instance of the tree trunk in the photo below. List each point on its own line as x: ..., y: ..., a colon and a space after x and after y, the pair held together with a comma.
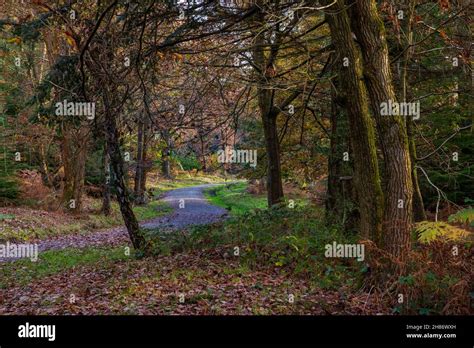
x: 269, y: 118
x: 165, y: 163
x: 145, y: 166
x: 202, y: 150
x: 117, y: 166
x: 339, y: 187
x: 274, y: 182
x: 111, y: 108
x: 46, y: 175
x: 362, y: 132
x: 106, y: 206
x: 73, y: 155
x: 419, y: 213
x: 140, y: 169
x: 370, y: 31
x: 165, y: 156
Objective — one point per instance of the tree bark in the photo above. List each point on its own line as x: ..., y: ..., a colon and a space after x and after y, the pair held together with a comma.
x: 419, y: 213
x: 339, y: 200
x: 370, y: 32
x: 113, y: 100
x: 106, y: 206
x: 165, y: 155
x: 269, y: 116
x: 141, y: 163
x: 46, y: 175
x: 117, y: 166
x: 274, y: 182
x: 73, y: 156
x: 362, y: 132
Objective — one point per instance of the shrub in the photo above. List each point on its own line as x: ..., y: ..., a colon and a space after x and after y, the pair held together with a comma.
x: 9, y: 189
x: 292, y: 240
x: 428, y: 231
x: 435, y: 278
x: 189, y: 162
x: 465, y: 217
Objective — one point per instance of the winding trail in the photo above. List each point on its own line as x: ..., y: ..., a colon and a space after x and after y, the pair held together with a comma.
x: 190, y: 207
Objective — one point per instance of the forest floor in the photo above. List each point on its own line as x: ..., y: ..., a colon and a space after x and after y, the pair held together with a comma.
x: 94, y: 273
x: 105, y: 281
x: 185, y: 206
x: 29, y: 221
x: 216, y: 250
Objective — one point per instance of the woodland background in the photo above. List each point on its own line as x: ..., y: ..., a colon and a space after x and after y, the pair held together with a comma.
x: 302, y: 83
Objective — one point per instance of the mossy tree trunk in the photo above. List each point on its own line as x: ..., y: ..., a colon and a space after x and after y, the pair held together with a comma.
x: 141, y: 163
x: 118, y: 177
x: 362, y: 132
x: 74, y: 142
x: 370, y: 32
x: 339, y: 197
x: 166, y: 154
x: 106, y: 203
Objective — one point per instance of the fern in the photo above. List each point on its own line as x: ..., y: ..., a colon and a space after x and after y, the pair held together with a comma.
x: 465, y: 217
x: 428, y: 231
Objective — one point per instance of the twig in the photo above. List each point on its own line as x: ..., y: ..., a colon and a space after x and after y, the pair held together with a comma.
x: 444, y: 142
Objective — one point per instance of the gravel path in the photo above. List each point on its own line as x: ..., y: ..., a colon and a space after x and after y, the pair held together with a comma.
x: 190, y: 208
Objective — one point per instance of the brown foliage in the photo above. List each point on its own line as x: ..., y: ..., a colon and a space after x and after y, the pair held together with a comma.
x: 432, y: 275
x: 34, y: 190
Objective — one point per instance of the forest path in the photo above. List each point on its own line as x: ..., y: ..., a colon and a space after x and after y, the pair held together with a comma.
x: 211, y: 283
x: 190, y: 207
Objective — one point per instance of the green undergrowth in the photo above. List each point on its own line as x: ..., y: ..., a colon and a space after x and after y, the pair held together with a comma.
x: 238, y: 201
x: 32, y: 226
x: 290, y: 240
x: 235, y: 198
x: 25, y: 271
x: 464, y: 217
x: 160, y: 186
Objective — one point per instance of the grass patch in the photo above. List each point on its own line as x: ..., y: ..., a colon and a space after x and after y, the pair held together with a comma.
x: 24, y: 271
x: 6, y: 216
x: 160, y: 185
x: 151, y: 210
x: 31, y: 224
x: 235, y: 198
x: 25, y: 224
x: 464, y: 216
x: 291, y: 240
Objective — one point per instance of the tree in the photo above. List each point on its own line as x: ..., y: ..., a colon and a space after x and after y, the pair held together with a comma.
x: 362, y: 132
x: 370, y: 31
